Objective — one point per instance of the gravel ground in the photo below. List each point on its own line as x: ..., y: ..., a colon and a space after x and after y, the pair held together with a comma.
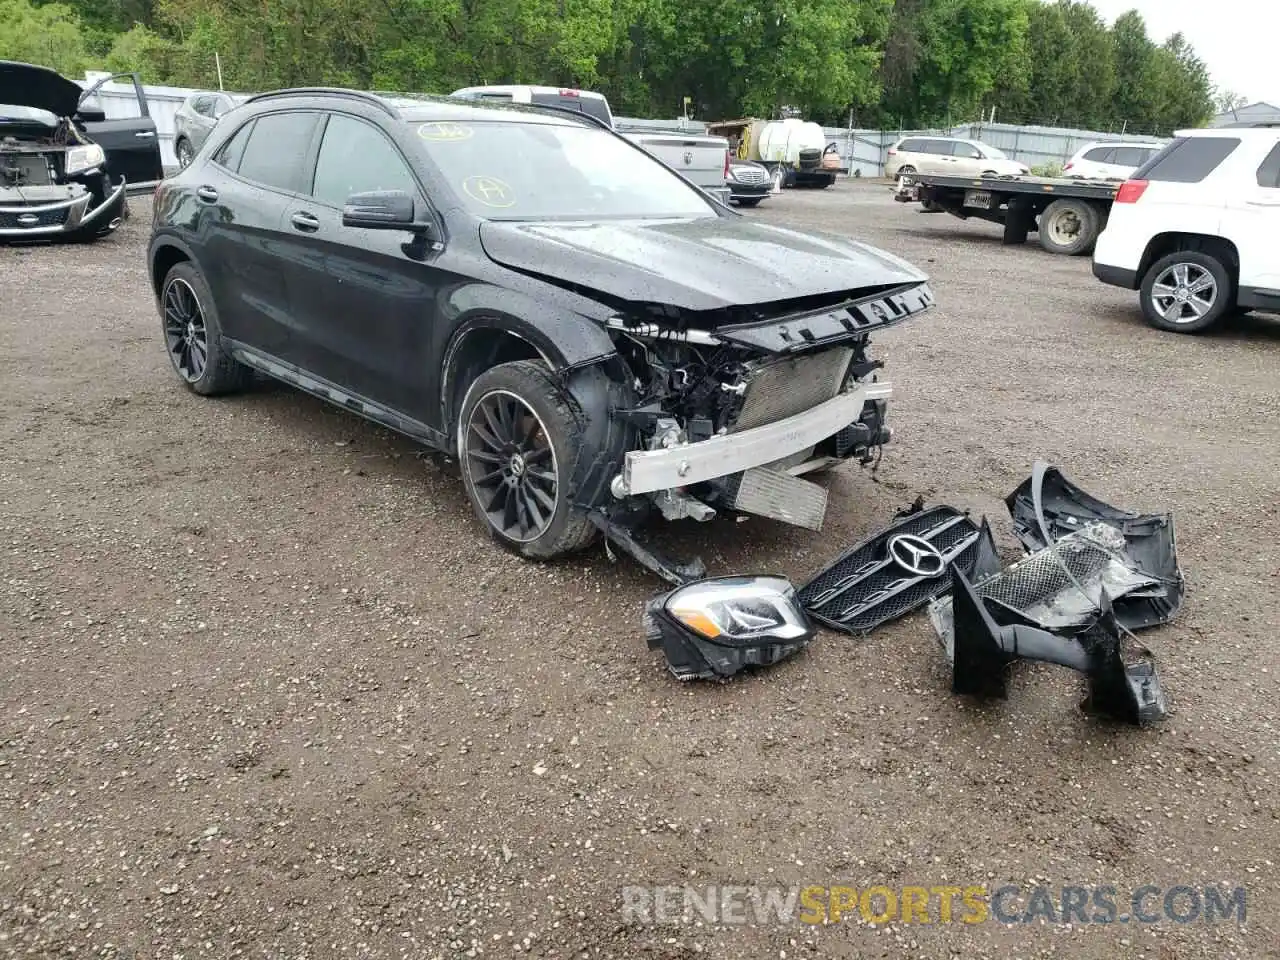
x: 271, y: 693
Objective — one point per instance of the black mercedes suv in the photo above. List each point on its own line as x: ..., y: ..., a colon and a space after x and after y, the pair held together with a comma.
x: 593, y: 337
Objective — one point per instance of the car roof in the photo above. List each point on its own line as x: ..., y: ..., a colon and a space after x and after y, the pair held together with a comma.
x: 1242, y: 133
x: 426, y: 108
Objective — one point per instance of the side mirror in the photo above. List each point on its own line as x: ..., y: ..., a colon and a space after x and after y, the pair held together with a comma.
x: 382, y: 210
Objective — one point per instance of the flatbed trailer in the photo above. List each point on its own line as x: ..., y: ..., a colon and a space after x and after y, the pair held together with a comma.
x: 1068, y: 213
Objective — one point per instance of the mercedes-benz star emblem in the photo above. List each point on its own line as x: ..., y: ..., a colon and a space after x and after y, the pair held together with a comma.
x: 916, y: 555
x: 688, y: 156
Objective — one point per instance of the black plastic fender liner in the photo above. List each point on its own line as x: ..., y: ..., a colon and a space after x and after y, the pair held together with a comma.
x: 1047, y: 507
x: 899, y: 569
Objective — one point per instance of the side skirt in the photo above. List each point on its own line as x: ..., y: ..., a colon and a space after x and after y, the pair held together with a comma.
x: 295, y: 376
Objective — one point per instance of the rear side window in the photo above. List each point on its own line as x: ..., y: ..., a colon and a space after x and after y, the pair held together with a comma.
x: 230, y: 153
x: 1099, y: 155
x: 1269, y: 172
x: 355, y: 158
x: 277, y: 146
x: 909, y: 146
x: 1188, y: 159
x: 1130, y: 156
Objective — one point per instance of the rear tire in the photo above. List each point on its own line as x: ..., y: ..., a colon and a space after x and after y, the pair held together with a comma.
x: 193, y: 335
x: 1187, y: 292
x: 906, y: 170
x: 184, y: 152
x: 519, y: 441
x: 1068, y: 227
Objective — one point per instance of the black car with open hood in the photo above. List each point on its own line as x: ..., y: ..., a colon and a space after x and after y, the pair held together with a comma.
x: 64, y: 166
x: 594, y: 338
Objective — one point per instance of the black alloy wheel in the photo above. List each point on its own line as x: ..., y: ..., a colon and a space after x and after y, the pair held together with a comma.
x: 185, y: 333
x: 512, y: 466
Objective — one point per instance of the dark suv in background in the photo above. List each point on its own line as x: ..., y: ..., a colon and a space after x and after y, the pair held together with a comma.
x: 593, y: 336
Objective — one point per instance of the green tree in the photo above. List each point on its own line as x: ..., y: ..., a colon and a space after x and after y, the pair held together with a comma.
x: 49, y: 35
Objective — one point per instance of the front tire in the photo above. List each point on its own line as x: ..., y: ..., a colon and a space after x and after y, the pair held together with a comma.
x: 1186, y: 292
x: 519, y: 440
x: 750, y: 202
x: 193, y: 335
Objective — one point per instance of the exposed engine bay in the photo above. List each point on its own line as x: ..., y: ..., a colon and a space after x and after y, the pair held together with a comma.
x: 695, y: 385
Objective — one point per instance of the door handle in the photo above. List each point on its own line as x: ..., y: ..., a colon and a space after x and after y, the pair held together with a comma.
x: 145, y: 134
x: 305, y: 222
x: 207, y: 194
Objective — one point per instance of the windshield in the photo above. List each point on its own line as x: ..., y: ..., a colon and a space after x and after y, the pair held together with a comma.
x: 539, y: 171
x: 12, y: 111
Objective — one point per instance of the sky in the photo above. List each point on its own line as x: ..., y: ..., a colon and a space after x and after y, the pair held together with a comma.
x: 1235, y: 38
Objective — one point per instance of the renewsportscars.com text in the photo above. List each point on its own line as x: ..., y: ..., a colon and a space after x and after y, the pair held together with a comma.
x: 1008, y: 904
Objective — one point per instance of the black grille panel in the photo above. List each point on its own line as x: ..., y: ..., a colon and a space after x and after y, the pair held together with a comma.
x: 865, y: 587
x: 25, y: 220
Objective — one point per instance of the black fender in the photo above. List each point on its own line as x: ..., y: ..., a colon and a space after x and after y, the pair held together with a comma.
x: 154, y: 249
x: 563, y: 340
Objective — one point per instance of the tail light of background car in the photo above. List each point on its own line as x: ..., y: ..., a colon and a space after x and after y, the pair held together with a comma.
x: 570, y: 93
x: 1131, y: 191
x: 1068, y: 166
x: 893, y: 152
x: 726, y: 164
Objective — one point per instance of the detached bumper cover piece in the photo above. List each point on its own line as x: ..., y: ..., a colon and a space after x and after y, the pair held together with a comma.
x: 1048, y: 507
x: 1061, y: 588
x: 899, y: 570
x: 1123, y: 681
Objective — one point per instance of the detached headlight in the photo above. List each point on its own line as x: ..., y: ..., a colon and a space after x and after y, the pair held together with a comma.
x: 714, y: 628
x: 84, y: 158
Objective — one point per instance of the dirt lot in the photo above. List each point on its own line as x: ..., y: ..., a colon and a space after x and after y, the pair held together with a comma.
x: 269, y: 692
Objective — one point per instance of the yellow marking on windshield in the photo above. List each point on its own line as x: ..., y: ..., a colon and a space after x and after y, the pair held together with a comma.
x: 490, y: 191
x: 441, y: 131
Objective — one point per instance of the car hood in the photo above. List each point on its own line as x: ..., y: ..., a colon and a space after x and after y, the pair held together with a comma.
x: 704, y: 264
x: 27, y: 85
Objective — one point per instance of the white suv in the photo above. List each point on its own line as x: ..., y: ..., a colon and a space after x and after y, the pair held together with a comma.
x: 1110, y: 161
x: 948, y: 155
x: 1195, y: 228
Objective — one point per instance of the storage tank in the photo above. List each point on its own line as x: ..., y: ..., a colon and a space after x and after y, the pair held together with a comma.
x: 792, y: 141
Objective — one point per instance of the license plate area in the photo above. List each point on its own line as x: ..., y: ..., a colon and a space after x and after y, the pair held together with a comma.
x: 978, y: 198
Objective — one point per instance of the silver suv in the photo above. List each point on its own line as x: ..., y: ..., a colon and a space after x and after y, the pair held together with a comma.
x: 195, y: 118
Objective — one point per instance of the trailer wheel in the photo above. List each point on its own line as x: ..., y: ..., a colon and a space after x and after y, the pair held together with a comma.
x: 1069, y: 227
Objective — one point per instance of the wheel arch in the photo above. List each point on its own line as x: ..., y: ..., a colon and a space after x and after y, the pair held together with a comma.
x: 166, y: 253
x: 486, y: 339
x: 1163, y: 244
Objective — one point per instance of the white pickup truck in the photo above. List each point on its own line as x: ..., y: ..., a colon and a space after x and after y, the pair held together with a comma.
x: 702, y: 160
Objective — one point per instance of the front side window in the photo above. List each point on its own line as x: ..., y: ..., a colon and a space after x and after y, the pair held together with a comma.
x: 548, y: 171
x: 277, y: 147
x: 967, y: 151
x: 355, y: 157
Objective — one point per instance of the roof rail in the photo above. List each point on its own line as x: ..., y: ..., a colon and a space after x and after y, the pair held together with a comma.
x: 370, y: 98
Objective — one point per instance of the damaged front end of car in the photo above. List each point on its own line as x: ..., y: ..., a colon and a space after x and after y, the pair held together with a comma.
x: 735, y: 406
x: 53, y: 177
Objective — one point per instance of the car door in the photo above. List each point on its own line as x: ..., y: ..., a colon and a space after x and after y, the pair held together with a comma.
x: 243, y: 192
x: 930, y: 158
x: 966, y: 159
x: 364, y: 300
x: 125, y: 131
x: 1252, y: 221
